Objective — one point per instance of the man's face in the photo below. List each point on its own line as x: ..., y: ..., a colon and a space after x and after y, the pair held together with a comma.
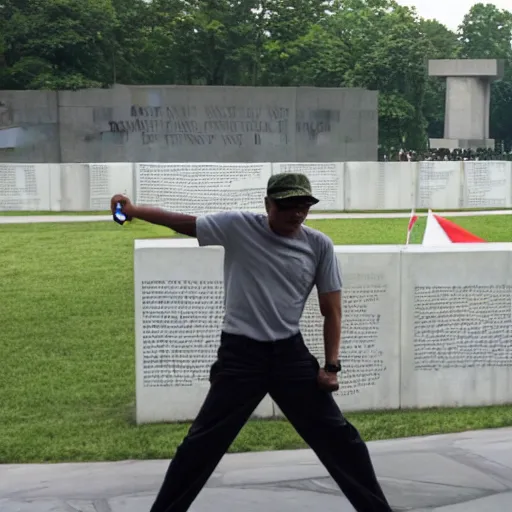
x: 287, y: 215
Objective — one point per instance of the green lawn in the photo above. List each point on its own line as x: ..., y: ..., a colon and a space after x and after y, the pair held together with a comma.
x: 67, y: 346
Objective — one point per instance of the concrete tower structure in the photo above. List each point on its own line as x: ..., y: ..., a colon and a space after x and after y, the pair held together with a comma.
x: 468, y: 86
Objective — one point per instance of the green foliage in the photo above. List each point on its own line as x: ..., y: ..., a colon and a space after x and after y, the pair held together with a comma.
x: 486, y: 33
x: 377, y: 44
x: 57, y: 43
x: 444, y: 44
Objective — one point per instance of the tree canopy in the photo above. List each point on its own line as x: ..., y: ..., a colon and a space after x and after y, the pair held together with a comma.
x: 377, y: 44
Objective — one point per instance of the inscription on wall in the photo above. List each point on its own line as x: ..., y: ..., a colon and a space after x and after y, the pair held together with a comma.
x: 18, y: 187
x: 487, y: 184
x: 181, y: 323
x: 182, y: 186
x: 437, y: 182
x: 365, y: 309
x: 178, y: 125
x: 462, y: 327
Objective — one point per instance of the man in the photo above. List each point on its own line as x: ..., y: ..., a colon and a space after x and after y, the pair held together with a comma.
x: 271, y: 264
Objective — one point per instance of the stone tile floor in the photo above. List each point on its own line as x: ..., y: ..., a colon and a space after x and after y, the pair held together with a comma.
x: 467, y: 472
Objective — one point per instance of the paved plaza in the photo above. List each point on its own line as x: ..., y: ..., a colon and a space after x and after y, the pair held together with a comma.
x: 466, y: 472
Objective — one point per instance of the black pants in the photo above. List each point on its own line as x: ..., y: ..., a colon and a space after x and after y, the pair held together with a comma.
x: 244, y: 372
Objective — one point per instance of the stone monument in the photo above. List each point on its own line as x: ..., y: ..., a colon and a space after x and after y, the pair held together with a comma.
x: 468, y: 86
x: 185, y: 124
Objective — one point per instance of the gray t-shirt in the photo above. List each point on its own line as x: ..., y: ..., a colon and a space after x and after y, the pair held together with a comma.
x: 267, y: 277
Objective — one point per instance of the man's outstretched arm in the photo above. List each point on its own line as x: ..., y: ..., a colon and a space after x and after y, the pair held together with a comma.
x: 179, y: 222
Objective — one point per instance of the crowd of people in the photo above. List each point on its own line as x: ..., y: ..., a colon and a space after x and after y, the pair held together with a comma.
x: 443, y: 154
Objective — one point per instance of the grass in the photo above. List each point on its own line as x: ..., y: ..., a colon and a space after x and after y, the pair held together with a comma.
x: 67, y: 362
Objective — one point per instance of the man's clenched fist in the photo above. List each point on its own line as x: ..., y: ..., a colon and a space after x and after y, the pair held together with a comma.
x: 328, y: 381
x: 126, y: 205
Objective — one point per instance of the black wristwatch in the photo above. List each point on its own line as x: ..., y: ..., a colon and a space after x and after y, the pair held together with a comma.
x: 333, y: 367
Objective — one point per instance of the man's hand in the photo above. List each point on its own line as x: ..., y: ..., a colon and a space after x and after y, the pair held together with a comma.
x: 328, y: 381
x: 126, y: 205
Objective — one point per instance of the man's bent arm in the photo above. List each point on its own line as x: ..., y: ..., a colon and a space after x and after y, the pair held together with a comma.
x: 330, y: 307
x: 179, y: 222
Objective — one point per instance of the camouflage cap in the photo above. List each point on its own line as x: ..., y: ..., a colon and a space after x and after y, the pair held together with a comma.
x: 287, y: 185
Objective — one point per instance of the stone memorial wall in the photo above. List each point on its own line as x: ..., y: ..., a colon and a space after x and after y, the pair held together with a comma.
x: 105, y: 180
x: 197, y: 188
x: 178, y: 314
x: 179, y: 123
x: 370, y: 328
x: 487, y: 186
x: 29, y: 187
x: 327, y: 181
x: 439, y: 184
x: 202, y: 188
x: 420, y: 327
x: 380, y: 185
x: 457, y: 326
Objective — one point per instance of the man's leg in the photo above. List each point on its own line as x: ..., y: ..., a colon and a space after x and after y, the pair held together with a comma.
x: 319, y: 421
x: 238, y: 384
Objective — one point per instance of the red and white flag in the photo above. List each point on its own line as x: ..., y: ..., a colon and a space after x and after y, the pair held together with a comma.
x: 412, y: 221
x: 441, y: 231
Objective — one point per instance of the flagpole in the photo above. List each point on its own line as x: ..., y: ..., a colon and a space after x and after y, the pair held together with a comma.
x: 412, y: 221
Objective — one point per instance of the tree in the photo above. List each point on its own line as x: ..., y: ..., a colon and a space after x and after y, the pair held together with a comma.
x: 57, y: 43
x: 444, y: 44
x: 486, y: 33
x: 287, y: 27
x: 387, y: 53
x: 376, y: 44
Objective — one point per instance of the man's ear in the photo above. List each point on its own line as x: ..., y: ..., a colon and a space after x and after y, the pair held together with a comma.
x: 267, y: 204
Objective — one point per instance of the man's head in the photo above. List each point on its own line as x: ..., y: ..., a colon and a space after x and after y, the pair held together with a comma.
x: 289, y: 198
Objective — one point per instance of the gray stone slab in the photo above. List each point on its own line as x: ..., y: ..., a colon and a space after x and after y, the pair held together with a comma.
x: 495, y: 503
x: 82, y: 506
x: 273, y: 474
x: 450, y: 473
x: 466, y: 67
x: 130, y: 503
x: 433, y: 468
x: 248, y: 500
x: 33, y: 118
x: 83, y: 481
x: 407, y: 494
x: 498, y: 452
x: 255, y: 500
x: 191, y: 124
x: 35, y: 506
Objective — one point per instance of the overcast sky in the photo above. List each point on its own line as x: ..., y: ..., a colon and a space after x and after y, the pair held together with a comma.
x: 449, y: 12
